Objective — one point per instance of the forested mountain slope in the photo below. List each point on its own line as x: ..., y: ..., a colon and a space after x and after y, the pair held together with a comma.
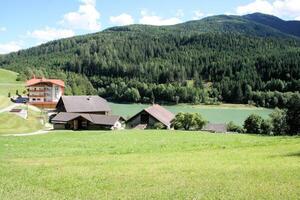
x: 220, y: 58
x: 288, y: 27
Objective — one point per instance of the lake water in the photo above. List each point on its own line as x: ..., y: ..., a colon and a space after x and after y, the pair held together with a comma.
x: 214, y: 114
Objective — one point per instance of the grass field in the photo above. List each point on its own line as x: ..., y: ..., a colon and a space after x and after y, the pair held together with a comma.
x: 149, y: 165
x: 13, y: 124
x: 7, y: 76
x: 4, y: 102
x: 8, y: 83
x: 214, y: 114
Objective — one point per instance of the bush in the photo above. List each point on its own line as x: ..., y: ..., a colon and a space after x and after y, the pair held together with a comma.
x: 188, y: 121
x: 253, y: 124
x: 159, y: 126
x: 266, y: 127
x: 278, y: 120
x: 293, y: 115
x: 231, y: 127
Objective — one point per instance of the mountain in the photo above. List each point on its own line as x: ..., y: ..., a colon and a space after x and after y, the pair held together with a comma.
x: 215, y: 24
x: 288, y: 27
x: 220, y: 58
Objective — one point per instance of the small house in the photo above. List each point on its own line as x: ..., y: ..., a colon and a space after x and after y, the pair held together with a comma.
x: 215, y: 128
x: 148, y: 117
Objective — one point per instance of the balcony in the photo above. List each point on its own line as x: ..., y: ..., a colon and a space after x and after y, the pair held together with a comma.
x: 40, y: 90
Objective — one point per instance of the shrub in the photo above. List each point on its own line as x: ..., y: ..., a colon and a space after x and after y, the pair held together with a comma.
x: 253, y: 124
x: 266, y: 127
x: 188, y: 121
x: 278, y: 120
x: 159, y: 126
x: 231, y: 127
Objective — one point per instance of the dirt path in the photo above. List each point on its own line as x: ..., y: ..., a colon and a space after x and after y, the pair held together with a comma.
x: 8, y: 108
x: 40, y: 132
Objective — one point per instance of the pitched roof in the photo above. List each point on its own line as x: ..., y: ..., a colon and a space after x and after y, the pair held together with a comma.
x: 35, y: 81
x: 160, y: 113
x: 85, y: 104
x: 219, y: 128
x: 110, y: 120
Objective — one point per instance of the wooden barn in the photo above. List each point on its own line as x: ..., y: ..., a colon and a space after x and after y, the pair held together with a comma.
x: 148, y: 117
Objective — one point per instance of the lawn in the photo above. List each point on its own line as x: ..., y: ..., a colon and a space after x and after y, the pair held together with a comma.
x: 8, y: 83
x: 7, y: 76
x: 215, y: 114
x: 149, y: 165
x: 4, y: 102
x: 13, y: 124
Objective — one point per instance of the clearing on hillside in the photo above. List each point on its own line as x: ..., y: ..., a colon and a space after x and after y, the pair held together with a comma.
x: 8, y: 83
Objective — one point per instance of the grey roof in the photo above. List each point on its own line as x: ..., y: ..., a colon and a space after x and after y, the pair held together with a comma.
x: 64, y: 117
x: 85, y: 104
x: 218, y: 128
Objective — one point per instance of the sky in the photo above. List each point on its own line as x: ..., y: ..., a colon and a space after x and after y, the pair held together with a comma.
x: 28, y: 23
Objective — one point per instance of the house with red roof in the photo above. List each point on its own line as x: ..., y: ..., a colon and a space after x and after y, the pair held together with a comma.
x: 45, y: 93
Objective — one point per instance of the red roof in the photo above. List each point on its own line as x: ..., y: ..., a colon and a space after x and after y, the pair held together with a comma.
x: 161, y: 114
x: 158, y: 112
x: 35, y: 81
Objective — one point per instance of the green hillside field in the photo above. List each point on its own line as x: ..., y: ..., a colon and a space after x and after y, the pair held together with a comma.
x: 8, y: 83
x: 149, y: 165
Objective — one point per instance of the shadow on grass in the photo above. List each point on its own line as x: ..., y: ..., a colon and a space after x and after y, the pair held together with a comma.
x: 295, y: 154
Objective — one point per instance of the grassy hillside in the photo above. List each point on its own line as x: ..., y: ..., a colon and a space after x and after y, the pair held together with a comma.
x: 8, y: 83
x: 7, y: 76
x: 149, y: 165
x: 13, y: 124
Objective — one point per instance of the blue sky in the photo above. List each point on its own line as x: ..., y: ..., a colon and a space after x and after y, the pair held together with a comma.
x: 28, y: 23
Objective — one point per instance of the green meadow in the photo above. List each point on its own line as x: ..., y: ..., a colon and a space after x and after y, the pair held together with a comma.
x: 8, y: 83
x: 149, y: 165
x: 13, y: 124
x: 215, y: 114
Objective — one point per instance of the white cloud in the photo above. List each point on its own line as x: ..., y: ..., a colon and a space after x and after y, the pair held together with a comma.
x: 262, y: 6
x: 198, y: 15
x: 85, y: 18
x: 123, y: 19
x: 48, y: 34
x: 3, y: 29
x: 297, y: 18
x: 281, y: 8
x: 152, y: 19
x: 10, y: 47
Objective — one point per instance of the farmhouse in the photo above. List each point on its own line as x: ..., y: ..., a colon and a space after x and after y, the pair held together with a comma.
x: 150, y: 116
x: 83, y: 104
x: 44, y: 93
x: 79, y: 121
x: 215, y: 128
x: 85, y: 113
